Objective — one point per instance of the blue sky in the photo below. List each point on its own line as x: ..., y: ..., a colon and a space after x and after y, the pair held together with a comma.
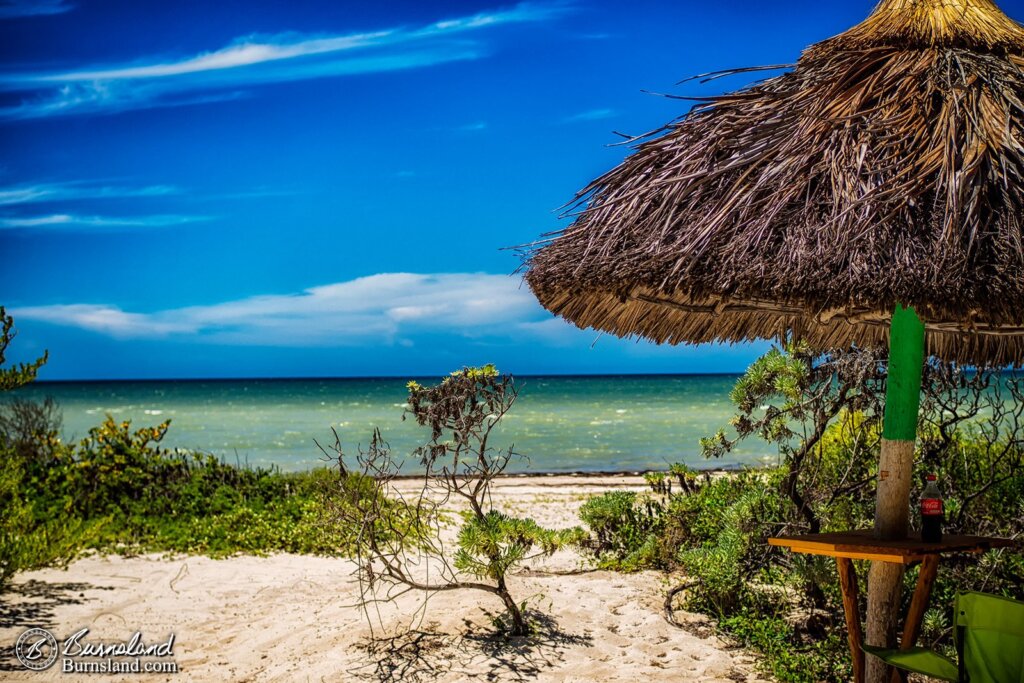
x: 239, y: 189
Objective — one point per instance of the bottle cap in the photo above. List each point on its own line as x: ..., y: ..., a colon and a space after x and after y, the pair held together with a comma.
x: 930, y: 477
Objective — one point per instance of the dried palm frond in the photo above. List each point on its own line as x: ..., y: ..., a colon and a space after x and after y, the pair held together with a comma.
x: 887, y: 167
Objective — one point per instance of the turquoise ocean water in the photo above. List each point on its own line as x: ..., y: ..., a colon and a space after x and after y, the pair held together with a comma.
x: 562, y: 424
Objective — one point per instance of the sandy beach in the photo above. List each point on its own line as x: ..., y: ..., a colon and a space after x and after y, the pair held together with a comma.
x: 289, y: 617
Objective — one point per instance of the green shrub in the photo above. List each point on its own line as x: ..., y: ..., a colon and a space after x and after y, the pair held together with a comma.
x: 24, y: 541
x: 625, y: 530
x: 490, y: 545
x: 788, y: 656
x: 720, y: 549
x: 118, y: 490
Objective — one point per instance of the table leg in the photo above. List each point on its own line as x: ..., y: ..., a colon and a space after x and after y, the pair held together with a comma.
x: 918, y: 605
x: 851, y: 607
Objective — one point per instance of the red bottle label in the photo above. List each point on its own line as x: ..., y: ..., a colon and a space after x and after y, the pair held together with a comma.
x: 931, y: 506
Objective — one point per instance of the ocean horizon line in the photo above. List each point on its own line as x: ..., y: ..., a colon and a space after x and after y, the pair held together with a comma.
x: 355, y: 378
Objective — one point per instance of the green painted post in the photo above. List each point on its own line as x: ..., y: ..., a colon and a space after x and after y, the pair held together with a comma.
x: 899, y: 424
x: 903, y: 384
x: 895, y: 469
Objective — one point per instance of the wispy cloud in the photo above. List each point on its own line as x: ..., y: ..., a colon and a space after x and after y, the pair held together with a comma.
x: 72, y: 221
x: 474, y: 127
x: 11, y: 9
x: 105, y: 320
x: 590, y: 115
x: 73, y: 98
x: 254, y: 60
x: 58, y: 192
x: 383, y: 308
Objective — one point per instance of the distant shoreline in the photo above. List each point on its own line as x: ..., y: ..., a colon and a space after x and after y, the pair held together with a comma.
x: 598, y: 474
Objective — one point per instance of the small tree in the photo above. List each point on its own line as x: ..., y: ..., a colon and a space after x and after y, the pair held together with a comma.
x: 16, y: 520
x: 400, y: 545
x: 789, y: 397
x: 18, y: 375
x: 823, y: 412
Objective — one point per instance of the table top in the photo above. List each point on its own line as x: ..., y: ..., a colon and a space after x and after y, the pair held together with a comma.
x: 862, y: 545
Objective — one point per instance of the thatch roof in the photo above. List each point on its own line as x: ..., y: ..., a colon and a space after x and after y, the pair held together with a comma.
x: 887, y: 166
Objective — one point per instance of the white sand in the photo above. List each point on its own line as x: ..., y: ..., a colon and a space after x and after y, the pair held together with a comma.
x: 292, y: 618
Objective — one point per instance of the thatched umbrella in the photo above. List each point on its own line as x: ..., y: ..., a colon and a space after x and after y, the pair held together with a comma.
x: 870, y: 197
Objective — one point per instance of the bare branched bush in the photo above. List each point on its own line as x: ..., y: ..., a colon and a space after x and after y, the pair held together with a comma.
x: 401, y: 543
x: 31, y: 429
x: 972, y: 436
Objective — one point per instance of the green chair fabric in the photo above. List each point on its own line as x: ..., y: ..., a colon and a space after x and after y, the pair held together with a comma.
x: 919, y: 660
x: 989, y: 638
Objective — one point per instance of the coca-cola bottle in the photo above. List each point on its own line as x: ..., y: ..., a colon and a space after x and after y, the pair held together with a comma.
x: 932, y: 512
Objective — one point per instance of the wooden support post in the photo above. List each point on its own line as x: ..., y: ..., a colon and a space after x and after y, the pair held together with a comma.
x: 918, y: 604
x: 902, y: 400
x: 851, y: 608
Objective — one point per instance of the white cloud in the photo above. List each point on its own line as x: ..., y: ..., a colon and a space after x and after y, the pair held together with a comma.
x: 106, y: 98
x: 11, y: 9
x: 388, y: 308
x: 245, y: 52
x: 590, y: 115
x: 56, y: 192
x: 71, y: 221
x: 103, y: 319
x: 253, y: 60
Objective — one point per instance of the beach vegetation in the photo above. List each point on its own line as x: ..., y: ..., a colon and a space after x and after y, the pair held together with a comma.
x: 25, y: 541
x: 119, y: 490
x: 402, y: 532
x: 626, y: 529
x: 822, y: 415
x: 138, y: 496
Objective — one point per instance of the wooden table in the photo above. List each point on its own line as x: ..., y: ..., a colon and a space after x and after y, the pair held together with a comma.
x: 847, y: 546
